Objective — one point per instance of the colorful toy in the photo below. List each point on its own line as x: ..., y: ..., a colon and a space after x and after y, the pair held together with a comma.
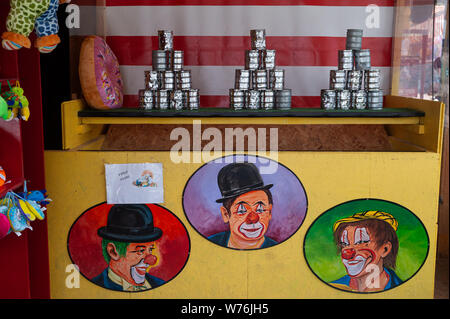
x: 100, y: 76
x: 17, y: 102
x: 2, y: 176
x: 5, y: 227
x: 3, y: 106
x: 26, y: 15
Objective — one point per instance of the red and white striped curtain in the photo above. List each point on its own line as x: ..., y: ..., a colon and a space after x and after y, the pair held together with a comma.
x: 214, y: 35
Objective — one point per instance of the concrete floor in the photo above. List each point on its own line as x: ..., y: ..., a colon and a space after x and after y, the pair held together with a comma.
x: 441, y: 279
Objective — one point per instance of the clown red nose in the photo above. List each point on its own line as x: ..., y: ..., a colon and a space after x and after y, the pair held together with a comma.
x: 151, y: 260
x: 252, y: 218
x: 348, y: 253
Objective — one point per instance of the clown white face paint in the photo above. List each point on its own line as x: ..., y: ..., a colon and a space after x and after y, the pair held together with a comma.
x: 138, y: 272
x: 251, y: 230
x: 355, y: 266
x: 361, y: 236
x: 344, y: 238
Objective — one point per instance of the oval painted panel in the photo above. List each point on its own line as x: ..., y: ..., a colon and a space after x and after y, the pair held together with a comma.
x: 366, y: 246
x: 129, y: 247
x: 245, y: 202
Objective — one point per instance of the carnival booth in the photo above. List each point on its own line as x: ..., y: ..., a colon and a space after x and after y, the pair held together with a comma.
x: 241, y: 152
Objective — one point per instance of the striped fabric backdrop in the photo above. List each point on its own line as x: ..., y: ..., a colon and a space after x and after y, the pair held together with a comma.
x: 214, y: 35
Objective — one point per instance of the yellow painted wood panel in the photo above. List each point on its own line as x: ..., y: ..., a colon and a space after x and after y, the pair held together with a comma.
x: 76, y: 181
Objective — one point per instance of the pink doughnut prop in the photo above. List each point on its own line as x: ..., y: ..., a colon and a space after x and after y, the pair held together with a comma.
x: 100, y: 76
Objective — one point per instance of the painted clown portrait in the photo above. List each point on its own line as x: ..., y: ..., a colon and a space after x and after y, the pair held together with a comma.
x: 128, y: 247
x: 369, y: 250
x: 234, y: 205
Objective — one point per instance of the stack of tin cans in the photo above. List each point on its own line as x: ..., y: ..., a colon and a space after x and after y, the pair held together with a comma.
x: 168, y: 85
x: 260, y: 85
x: 355, y: 85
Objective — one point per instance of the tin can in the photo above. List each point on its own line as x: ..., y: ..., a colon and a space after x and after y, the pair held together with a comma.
x: 176, y: 100
x: 162, y: 99
x: 146, y: 99
x: 362, y: 59
x: 343, y: 100
x: 372, y: 80
x: 183, y: 79
x: 168, y: 80
x: 354, y: 80
x: 345, y: 60
x: 359, y: 100
x: 152, y: 80
x: 375, y: 100
x: 268, y: 59
x: 178, y: 60
x: 258, y: 39
x: 252, y: 99
x: 354, y: 39
x: 237, y: 99
x: 338, y: 79
x: 276, y: 79
x: 193, y: 99
x: 328, y: 99
x: 165, y: 39
x: 242, y: 79
x: 252, y: 59
x: 283, y: 99
x: 259, y: 79
x: 267, y: 99
x: 161, y: 60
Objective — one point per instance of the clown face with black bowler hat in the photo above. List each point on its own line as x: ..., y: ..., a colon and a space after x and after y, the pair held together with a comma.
x: 246, y: 207
x: 129, y: 247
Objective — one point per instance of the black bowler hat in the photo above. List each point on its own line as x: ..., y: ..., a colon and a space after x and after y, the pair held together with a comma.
x: 131, y: 223
x: 239, y: 178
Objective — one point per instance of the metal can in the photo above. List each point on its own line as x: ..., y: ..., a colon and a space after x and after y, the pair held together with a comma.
x: 359, y: 100
x: 178, y: 60
x: 338, y: 79
x: 183, y: 79
x: 237, y: 99
x: 165, y: 39
x: 168, y: 80
x: 267, y: 99
x: 354, y: 80
x: 343, y: 100
x: 193, y: 99
x: 276, y: 79
x: 146, y: 99
x: 259, y: 79
x: 242, y: 79
x: 162, y: 99
x: 345, y: 60
x: 252, y: 99
x: 161, y: 60
x: 252, y: 59
x: 268, y: 59
x: 328, y: 99
x: 152, y: 80
x: 354, y: 39
x: 283, y: 99
x: 362, y: 59
x: 176, y: 100
x: 258, y: 39
x: 372, y: 80
x: 375, y: 100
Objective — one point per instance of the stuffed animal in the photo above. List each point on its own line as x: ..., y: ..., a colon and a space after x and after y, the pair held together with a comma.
x: 26, y: 15
x: 17, y: 102
x: 3, y: 109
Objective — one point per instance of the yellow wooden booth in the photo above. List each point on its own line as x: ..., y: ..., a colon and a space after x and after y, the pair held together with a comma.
x: 408, y: 175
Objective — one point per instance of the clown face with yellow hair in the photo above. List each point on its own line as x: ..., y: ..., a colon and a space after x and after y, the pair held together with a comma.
x: 368, y: 245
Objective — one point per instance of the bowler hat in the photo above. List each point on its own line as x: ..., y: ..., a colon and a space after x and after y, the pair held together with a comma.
x: 131, y: 223
x: 239, y: 178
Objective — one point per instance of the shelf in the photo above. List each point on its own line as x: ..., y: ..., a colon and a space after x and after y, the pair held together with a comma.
x: 227, y: 116
x: 14, y: 184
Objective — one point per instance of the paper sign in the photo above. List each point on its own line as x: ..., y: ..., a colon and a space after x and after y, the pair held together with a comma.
x: 140, y: 183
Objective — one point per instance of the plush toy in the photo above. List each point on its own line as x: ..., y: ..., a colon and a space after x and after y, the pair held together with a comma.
x: 17, y: 102
x: 2, y: 176
x: 26, y: 15
x: 3, y: 106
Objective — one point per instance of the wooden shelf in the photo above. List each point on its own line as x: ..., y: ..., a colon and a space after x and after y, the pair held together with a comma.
x: 227, y: 116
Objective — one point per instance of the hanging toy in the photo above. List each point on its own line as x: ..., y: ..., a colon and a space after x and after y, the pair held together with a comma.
x: 5, y: 227
x: 17, y: 220
x: 3, y: 106
x: 26, y: 15
x: 2, y: 176
x: 17, y: 102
